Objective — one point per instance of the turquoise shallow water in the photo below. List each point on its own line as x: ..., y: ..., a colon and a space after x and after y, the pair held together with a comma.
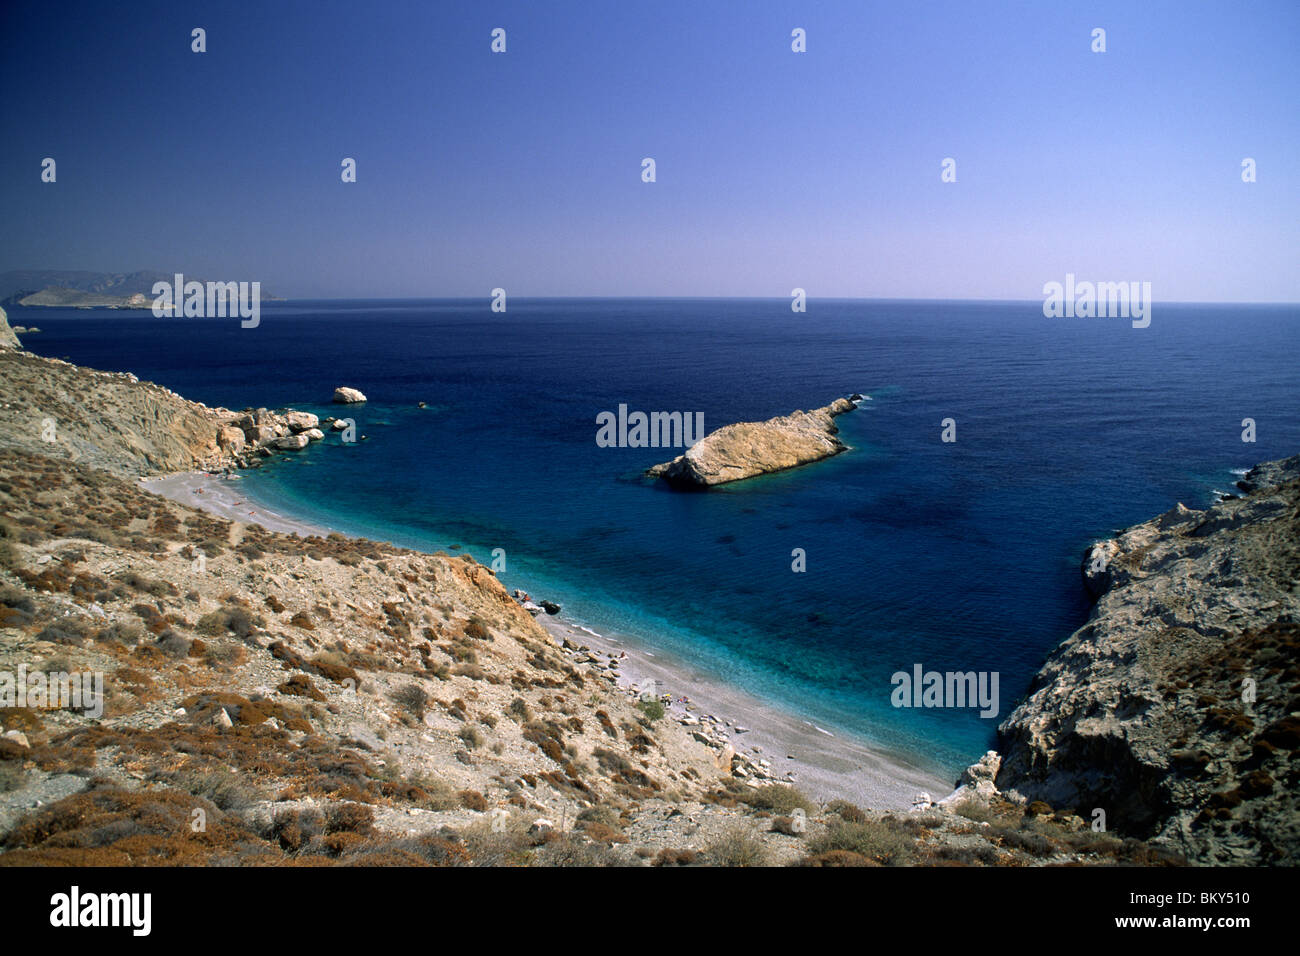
x: 960, y: 556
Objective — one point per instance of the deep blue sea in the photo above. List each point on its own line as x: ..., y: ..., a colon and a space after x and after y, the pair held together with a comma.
x: 957, y: 556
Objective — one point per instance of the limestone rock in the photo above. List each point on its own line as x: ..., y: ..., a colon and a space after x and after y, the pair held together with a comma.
x: 746, y: 449
x: 977, y: 782
x: 300, y: 421
x: 980, y: 776
x: 260, y: 434
x: 231, y: 439
x: 348, y: 396
x: 7, y: 338
x: 722, y: 760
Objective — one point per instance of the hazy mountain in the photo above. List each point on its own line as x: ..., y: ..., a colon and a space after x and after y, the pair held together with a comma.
x: 67, y: 287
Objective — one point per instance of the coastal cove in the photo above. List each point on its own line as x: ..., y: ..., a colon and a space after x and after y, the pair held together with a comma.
x: 958, y: 556
x: 824, y: 764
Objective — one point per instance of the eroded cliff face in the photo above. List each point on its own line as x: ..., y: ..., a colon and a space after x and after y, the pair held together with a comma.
x: 107, y: 420
x: 1176, y: 708
x: 747, y: 449
x: 8, y: 340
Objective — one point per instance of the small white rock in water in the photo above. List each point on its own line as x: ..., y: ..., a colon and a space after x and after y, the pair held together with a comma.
x: 348, y: 396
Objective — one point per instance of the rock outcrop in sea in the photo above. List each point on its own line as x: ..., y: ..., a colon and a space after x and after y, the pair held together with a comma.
x: 746, y: 449
x: 1175, y: 710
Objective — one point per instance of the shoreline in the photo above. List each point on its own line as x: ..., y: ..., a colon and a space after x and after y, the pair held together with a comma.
x: 225, y: 498
x: 824, y: 766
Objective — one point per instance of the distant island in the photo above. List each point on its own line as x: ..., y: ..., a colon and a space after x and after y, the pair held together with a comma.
x: 71, y: 289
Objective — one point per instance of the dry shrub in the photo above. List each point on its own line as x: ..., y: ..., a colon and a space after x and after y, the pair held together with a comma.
x: 107, y: 826
x: 882, y: 841
x: 737, y: 847
x: 412, y: 698
x: 669, y: 857
x: 777, y: 798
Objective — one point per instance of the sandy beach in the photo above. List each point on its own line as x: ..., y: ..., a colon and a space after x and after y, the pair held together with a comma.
x: 822, y: 764
x: 225, y: 498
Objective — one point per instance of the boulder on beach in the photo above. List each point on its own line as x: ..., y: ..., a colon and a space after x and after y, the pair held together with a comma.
x: 260, y: 434
x: 348, y: 396
x: 230, y: 439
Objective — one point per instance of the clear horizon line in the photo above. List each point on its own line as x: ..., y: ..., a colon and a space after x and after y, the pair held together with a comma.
x: 748, y: 298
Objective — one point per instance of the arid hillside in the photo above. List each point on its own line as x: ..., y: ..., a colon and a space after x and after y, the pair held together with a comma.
x: 331, y: 700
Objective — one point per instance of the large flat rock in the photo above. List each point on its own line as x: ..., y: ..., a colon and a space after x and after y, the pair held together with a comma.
x: 746, y: 449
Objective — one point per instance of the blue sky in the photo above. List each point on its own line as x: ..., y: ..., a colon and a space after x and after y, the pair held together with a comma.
x: 775, y: 169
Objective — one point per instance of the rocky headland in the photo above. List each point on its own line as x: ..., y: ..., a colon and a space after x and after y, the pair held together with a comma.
x: 747, y: 449
x: 1175, y: 710
x: 128, y: 427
